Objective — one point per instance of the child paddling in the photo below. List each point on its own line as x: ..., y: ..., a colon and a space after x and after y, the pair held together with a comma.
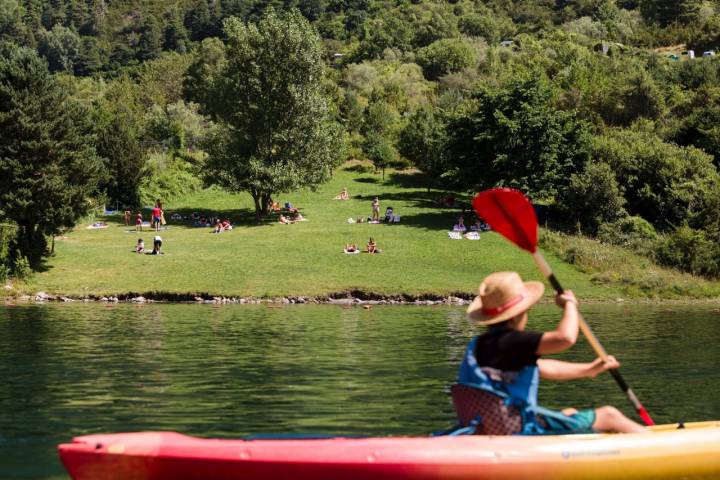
x: 506, y: 359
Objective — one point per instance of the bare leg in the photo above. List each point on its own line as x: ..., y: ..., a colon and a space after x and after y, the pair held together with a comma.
x: 610, y: 419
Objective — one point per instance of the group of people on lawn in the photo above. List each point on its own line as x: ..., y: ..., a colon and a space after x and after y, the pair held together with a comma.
x: 371, y: 247
x: 157, y: 218
x: 157, y: 246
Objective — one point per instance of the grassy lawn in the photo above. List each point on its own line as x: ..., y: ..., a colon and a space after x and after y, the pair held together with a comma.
x: 268, y: 259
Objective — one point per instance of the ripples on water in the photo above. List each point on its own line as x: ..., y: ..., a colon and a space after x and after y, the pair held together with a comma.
x: 69, y: 370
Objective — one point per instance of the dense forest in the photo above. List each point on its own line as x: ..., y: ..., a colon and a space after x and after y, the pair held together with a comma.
x: 605, y: 110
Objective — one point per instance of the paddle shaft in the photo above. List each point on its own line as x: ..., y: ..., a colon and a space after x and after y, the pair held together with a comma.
x: 594, y: 342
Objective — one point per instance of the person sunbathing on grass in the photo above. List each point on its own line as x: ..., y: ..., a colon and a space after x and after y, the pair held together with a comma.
x: 343, y: 195
x: 350, y: 248
x: 283, y: 219
x: 507, y: 359
x: 372, y: 246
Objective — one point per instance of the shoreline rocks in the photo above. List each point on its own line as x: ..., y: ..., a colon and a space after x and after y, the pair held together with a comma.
x: 340, y: 298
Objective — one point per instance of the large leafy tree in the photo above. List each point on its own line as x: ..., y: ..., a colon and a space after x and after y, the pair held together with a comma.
x: 48, y: 165
x: 118, y: 144
x: 423, y: 142
x: 515, y: 136
x: 275, y: 130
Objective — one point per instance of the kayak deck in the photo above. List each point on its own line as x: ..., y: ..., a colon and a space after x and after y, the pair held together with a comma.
x: 664, y: 452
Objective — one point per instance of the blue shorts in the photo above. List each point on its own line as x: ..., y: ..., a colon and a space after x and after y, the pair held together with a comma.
x: 580, y: 422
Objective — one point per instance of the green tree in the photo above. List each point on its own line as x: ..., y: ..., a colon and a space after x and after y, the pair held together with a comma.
x: 663, y: 183
x: 151, y: 39
x: 61, y: 47
x: 198, y: 20
x: 276, y: 132
x: 378, y: 130
x: 119, y: 146
x: 423, y: 142
x: 445, y: 56
x: 514, y: 136
x: 592, y: 197
x: 665, y: 12
x: 176, y: 38
x: 48, y: 166
x: 11, y: 21
x: 201, y: 85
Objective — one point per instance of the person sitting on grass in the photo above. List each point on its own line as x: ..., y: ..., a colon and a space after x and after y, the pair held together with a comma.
x: 297, y: 216
x: 372, y: 246
x: 218, y: 227
x: 283, y: 219
x: 350, y: 248
x: 343, y: 195
x: 138, y: 223
x: 460, y: 226
x: 506, y: 358
x: 227, y: 225
x: 140, y: 247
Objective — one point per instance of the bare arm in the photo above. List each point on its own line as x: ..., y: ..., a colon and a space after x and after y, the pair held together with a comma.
x: 566, y: 333
x: 559, y: 370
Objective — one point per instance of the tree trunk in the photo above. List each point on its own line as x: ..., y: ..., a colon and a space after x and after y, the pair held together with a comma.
x: 258, y: 201
x: 30, y: 243
x: 265, y: 206
x: 262, y: 200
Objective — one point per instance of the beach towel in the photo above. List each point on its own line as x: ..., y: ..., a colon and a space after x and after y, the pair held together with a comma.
x: 472, y: 236
x: 350, y: 220
x: 351, y: 253
x: 455, y: 235
x: 97, y: 225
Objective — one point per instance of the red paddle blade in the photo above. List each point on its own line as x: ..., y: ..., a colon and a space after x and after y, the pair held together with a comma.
x: 510, y: 214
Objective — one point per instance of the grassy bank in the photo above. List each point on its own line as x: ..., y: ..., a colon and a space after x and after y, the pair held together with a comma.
x: 268, y: 259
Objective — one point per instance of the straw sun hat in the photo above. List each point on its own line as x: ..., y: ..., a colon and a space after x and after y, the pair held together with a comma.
x: 502, y: 296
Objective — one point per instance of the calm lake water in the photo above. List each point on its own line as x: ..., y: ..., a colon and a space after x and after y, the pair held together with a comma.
x: 68, y: 370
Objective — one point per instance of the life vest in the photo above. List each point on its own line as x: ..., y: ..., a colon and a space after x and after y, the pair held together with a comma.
x: 519, y: 388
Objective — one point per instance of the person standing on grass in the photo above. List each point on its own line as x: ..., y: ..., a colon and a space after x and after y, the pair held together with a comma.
x: 156, y: 215
x: 376, y: 210
x: 506, y: 358
x: 138, y: 222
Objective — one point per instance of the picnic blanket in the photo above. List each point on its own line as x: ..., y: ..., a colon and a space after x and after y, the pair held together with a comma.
x: 455, y: 235
x: 97, y: 225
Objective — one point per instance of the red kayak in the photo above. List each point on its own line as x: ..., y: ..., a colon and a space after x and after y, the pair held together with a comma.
x: 663, y: 452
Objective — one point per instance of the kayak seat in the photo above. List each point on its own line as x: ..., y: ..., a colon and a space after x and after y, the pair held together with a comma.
x: 487, y: 412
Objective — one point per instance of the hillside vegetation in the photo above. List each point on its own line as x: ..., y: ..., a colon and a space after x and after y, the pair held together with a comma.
x: 604, y: 111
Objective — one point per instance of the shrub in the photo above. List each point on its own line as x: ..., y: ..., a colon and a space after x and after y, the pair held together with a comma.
x: 21, y: 269
x: 632, y: 232
x: 167, y: 178
x: 690, y: 250
x: 593, y: 197
x: 446, y: 56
